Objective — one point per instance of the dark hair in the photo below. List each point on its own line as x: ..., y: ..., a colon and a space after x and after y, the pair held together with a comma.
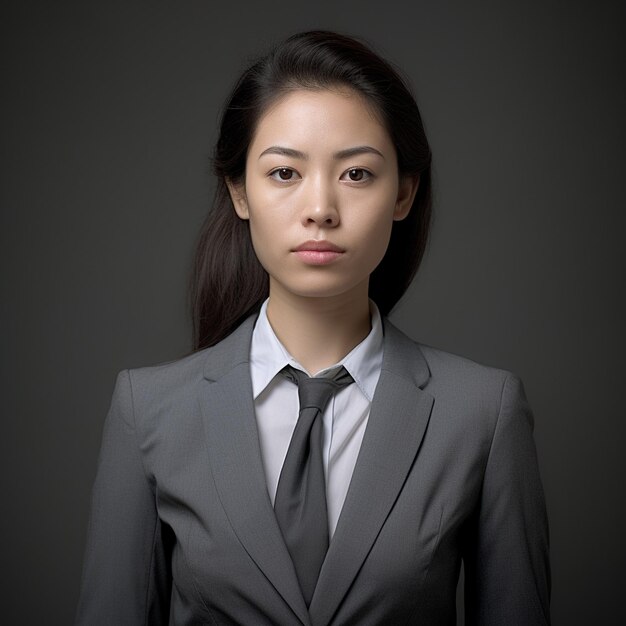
x: 228, y: 283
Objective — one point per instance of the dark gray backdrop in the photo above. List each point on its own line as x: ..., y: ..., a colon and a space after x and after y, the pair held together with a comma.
x: 109, y: 115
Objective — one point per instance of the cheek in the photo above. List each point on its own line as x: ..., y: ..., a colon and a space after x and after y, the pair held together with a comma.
x: 259, y: 221
x: 378, y: 243
x: 374, y: 230
x: 264, y: 234
x: 267, y: 211
x: 259, y: 240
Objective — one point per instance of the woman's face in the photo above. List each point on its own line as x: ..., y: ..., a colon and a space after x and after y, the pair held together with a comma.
x: 321, y: 193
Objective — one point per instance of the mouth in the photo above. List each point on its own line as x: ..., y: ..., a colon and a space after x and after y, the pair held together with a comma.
x: 318, y: 252
x: 315, y: 245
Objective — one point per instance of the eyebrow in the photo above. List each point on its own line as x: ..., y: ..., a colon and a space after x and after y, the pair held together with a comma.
x: 341, y: 154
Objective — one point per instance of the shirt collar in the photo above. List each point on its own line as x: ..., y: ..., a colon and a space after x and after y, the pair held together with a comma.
x: 268, y: 355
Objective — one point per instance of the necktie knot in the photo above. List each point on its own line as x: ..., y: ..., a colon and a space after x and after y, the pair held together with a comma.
x: 315, y: 391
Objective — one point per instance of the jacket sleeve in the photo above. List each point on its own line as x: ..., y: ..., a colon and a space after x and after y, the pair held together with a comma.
x: 506, y: 559
x: 126, y: 578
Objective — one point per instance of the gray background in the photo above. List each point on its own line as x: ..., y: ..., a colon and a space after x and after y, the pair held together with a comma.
x: 109, y: 117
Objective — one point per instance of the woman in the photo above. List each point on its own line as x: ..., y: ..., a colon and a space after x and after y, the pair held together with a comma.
x: 227, y: 494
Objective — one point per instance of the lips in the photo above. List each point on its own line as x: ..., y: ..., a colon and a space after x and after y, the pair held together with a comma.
x: 314, y: 245
x: 318, y: 252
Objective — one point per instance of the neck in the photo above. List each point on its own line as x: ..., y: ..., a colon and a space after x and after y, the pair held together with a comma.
x: 319, y: 332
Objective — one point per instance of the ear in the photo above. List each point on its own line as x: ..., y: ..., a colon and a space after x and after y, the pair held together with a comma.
x: 406, y: 194
x: 238, y: 196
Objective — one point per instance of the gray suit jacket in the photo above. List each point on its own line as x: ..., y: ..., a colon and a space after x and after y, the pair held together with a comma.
x: 182, y: 530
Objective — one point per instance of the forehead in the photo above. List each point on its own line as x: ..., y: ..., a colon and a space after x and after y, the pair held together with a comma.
x: 320, y: 118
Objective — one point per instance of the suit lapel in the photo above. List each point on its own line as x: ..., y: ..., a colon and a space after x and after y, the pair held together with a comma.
x: 398, y: 418
x: 227, y: 406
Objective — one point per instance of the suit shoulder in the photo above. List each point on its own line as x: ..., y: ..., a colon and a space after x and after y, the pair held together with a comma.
x: 448, y: 364
x: 467, y: 382
x: 451, y: 375
x: 168, y: 377
x: 451, y: 363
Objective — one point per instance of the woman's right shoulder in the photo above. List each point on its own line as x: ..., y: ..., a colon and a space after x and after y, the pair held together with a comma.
x: 166, y: 381
x: 172, y: 385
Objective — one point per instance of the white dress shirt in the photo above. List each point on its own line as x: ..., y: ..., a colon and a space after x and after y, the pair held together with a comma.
x: 345, y: 417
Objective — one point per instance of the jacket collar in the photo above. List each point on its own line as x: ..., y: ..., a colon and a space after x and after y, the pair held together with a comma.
x: 401, y: 355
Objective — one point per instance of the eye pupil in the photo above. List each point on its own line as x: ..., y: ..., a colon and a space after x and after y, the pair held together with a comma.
x: 356, y: 174
x: 284, y: 173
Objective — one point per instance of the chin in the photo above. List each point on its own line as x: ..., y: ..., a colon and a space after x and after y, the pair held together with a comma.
x: 324, y: 289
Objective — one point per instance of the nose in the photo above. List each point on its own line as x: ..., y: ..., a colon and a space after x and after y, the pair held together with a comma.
x: 320, y: 204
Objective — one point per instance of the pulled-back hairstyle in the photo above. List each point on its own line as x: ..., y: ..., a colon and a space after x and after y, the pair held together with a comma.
x: 228, y: 283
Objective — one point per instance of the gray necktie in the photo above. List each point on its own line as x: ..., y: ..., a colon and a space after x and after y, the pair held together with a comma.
x: 300, y: 502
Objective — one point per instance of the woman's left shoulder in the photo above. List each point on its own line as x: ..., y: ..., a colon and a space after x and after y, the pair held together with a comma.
x: 462, y: 369
x: 468, y: 387
x: 448, y: 367
x: 458, y: 380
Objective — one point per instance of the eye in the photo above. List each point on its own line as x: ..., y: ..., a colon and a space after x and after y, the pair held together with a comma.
x: 358, y: 174
x: 284, y: 174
